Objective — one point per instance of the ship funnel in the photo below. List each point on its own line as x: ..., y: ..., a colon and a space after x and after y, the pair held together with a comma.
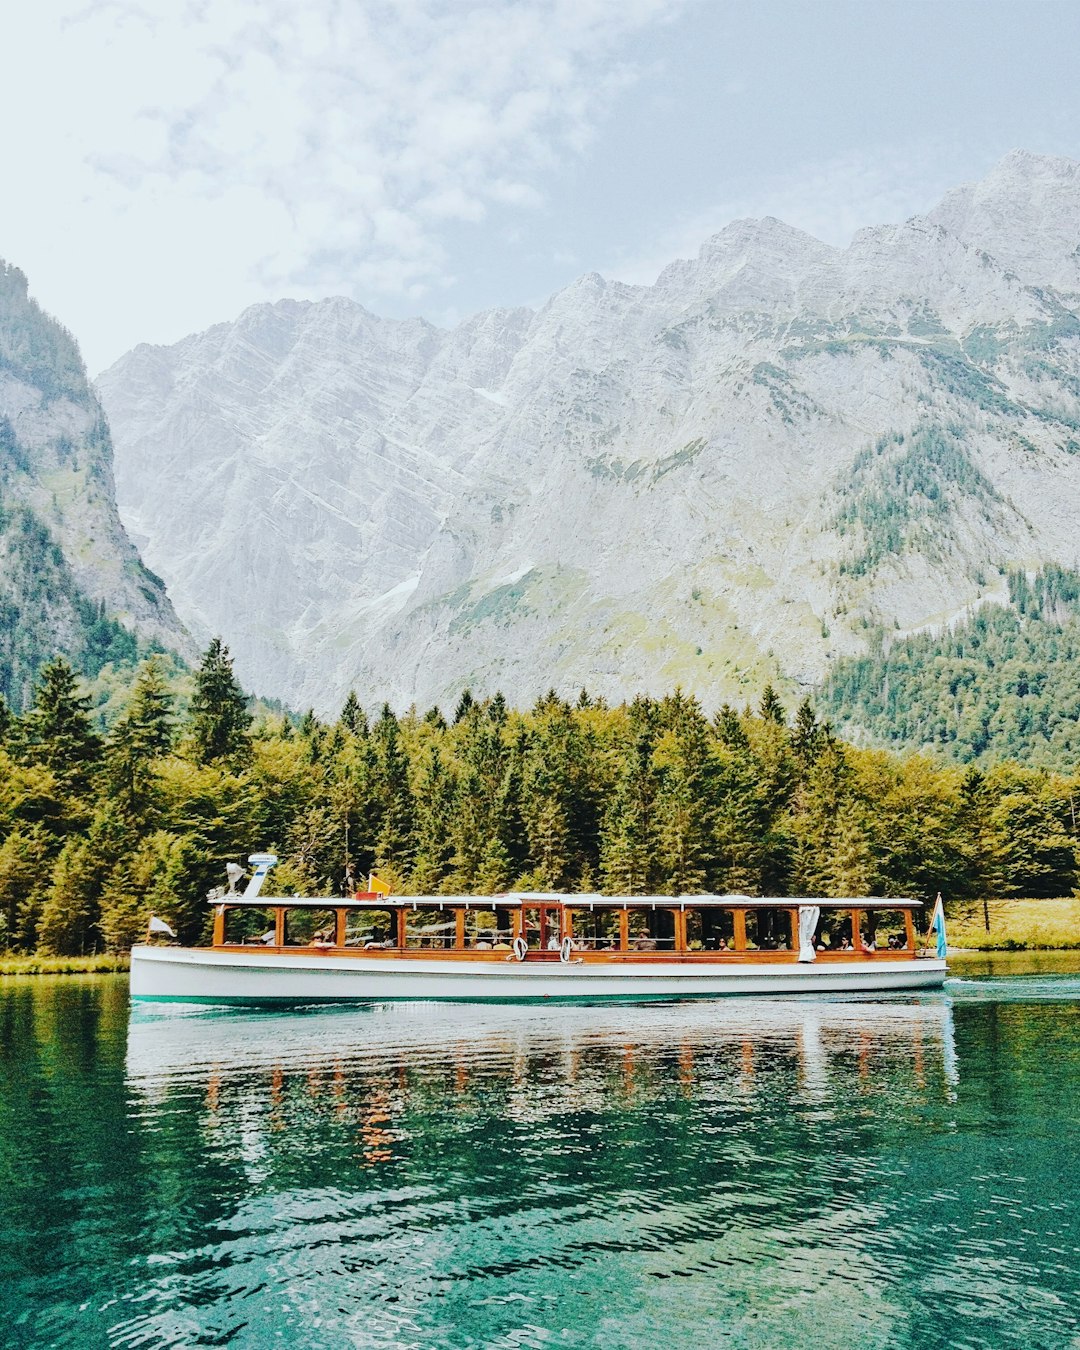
x: 261, y: 863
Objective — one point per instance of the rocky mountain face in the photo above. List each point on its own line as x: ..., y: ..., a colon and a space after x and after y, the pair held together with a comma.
x: 70, y: 578
x: 779, y: 454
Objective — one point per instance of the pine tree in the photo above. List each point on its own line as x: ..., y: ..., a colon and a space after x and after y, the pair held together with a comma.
x: 352, y: 715
x: 729, y: 729
x: 142, y: 733
x: 58, y: 731
x: 628, y: 840
x: 684, y: 799
x: 770, y: 708
x: 434, y: 803
x: 397, y: 825
x: 806, y: 735
x: 220, y: 724
x: 465, y: 705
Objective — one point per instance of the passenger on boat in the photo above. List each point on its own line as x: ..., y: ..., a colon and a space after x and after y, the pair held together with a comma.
x: 324, y: 937
x: 845, y: 944
x: 554, y: 942
x: 869, y: 945
x: 645, y: 943
x: 722, y: 946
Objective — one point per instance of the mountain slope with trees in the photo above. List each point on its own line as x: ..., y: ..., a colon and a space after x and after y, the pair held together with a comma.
x: 1003, y: 683
x: 70, y: 579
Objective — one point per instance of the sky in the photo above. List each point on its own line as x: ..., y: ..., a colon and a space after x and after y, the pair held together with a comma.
x: 166, y: 163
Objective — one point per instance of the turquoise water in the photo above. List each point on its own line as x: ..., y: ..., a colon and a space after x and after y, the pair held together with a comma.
x: 818, y: 1174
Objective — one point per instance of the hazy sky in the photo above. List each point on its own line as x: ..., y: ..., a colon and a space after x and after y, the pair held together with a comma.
x: 165, y: 163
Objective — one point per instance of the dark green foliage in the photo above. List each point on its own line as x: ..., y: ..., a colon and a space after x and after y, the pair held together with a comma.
x: 142, y: 734
x: 352, y: 715
x: 43, y: 610
x: 220, y: 721
x: 34, y: 347
x: 1005, y: 682
x: 901, y: 491
x: 647, y: 797
x: 57, y: 732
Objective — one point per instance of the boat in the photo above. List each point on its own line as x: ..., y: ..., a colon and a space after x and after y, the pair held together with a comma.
x: 536, y: 946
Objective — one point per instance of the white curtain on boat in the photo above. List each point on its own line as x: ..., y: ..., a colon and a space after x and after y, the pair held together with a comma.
x: 808, y: 919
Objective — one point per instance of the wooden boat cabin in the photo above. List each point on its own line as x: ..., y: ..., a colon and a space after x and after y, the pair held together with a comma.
x: 536, y: 927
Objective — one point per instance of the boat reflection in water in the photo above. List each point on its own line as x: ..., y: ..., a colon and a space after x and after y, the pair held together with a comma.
x: 531, y: 1063
x: 433, y: 1175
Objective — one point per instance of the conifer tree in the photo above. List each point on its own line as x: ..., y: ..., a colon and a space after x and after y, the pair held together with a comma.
x: 806, y: 735
x: 729, y: 729
x: 628, y: 840
x: 465, y: 705
x: 397, y: 823
x: 434, y: 803
x: 219, y: 720
x: 770, y: 708
x: 684, y: 798
x: 352, y: 715
x: 58, y: 732
x: 142, y: 733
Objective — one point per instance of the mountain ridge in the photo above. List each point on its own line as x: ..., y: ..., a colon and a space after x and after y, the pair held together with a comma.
x: 632, y: 486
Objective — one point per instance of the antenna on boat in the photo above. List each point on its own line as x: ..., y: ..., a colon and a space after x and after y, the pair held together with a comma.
x: 262, y: 863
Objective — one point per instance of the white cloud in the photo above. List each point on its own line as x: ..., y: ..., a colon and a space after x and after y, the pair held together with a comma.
x: 177, y: 159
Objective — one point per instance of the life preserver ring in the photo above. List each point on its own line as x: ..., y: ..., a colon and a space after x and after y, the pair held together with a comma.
x: 520, y: 948
x: 565, y: 948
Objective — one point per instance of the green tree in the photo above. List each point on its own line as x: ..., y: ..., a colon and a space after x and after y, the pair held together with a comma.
x: 628, y: 840
x: 220, y: 725
x: 58, y: 732
x: 142, y: 734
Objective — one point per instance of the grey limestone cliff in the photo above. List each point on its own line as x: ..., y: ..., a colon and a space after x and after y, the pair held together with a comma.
x: 775, y: 452
x: 70, y: 579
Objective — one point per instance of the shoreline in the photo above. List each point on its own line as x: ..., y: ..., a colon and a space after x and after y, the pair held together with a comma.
x: 104, y: 964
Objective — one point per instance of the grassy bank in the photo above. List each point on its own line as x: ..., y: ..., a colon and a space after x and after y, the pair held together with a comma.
x: 1018, y: 925
x: 62, y: 965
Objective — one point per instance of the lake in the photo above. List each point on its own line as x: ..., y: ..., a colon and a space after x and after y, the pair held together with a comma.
x: 805, y: 1173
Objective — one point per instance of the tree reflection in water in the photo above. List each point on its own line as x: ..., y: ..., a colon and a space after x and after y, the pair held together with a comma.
x: 804, y: 1173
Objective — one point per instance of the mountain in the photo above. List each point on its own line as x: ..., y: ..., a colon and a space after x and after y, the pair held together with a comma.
x: 780, y: 455
x: 70, y: 580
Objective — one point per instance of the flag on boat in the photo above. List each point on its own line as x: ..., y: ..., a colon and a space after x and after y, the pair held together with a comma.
x: 157, y: 925
x: 375, y: 886
x: 937, y: 926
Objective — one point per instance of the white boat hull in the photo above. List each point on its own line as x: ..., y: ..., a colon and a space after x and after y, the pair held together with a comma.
x: 189, y: 975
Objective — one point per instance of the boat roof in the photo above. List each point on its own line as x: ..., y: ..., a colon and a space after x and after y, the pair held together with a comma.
x: 515, y: 899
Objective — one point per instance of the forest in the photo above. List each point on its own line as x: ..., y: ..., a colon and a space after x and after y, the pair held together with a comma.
x: 1001, y: 683
x: 98, y: 830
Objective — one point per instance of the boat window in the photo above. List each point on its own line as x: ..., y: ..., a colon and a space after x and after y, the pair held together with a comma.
x: 768, y: 930
x: 651, y: 930
x: 595, y: 930
x: 710, y: 930
x: 833, y: 930
x: 249, y: 925
x: 883, y: 929
x: 310, y: 927
x: 429, y: 928
x: 485, y: 932
x: 370, y: 928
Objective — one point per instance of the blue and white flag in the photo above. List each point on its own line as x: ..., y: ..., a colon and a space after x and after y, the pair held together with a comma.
x: 937, y: 925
